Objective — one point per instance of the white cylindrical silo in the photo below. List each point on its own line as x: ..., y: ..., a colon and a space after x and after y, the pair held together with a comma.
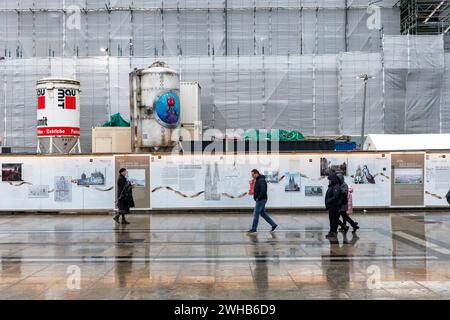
x: 58, y: 115
x: 155, y: 107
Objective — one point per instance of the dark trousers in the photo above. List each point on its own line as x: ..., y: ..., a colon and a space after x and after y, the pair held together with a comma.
x: 333, y: 215
x: 346, y: 218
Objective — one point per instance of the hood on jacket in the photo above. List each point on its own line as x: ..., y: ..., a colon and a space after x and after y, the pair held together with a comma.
x: 333, y: 179
x: 340, y: 178
x: 261, y: 176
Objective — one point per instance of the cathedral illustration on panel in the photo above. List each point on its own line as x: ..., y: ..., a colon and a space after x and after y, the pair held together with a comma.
x: 211, y: 183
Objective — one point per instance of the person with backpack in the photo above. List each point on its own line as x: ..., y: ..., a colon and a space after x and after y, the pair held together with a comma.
x: 124, y: 196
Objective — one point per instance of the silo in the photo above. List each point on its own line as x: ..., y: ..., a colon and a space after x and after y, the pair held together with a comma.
x: 58, y: 115
x: 155, y: 107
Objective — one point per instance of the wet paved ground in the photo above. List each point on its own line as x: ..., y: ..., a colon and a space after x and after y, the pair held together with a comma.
x: 209, y: 256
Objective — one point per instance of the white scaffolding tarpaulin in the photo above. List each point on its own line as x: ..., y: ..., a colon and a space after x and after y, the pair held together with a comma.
x: 262, y: 64
x: 34, y: 28
x: 316, y: 94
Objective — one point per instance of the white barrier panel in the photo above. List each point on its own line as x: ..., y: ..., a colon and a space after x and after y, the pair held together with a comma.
x: 294, y: 181
x: 85, y: 182
x: 437, y: 179
x: 57, y: 183
x: 370, y: 177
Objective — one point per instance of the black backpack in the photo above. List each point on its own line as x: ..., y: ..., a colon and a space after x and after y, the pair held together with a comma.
x: 447, y: 196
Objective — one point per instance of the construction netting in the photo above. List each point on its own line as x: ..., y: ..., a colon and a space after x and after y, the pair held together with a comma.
x: 414, y: 73
x: 82, y: 28
x: 262, y: 64
x: 314, y: 94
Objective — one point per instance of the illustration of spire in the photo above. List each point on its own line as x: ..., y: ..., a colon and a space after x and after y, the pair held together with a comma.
x: 230, y: 180
x: 291, y: 183
x: 208, y: 182
x: 214, y: 190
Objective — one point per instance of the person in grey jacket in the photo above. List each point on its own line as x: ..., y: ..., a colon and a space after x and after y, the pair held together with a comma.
x: 344, y: 206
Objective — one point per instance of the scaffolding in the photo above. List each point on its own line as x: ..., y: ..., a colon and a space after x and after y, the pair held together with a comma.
x: 425, y: 16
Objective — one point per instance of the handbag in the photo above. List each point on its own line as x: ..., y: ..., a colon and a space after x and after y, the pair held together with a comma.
x: 251, y: 191
x: 121, y: 195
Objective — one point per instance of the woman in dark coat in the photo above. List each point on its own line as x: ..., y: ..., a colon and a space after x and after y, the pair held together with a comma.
x: 333, y: 204
x: 124, y: 196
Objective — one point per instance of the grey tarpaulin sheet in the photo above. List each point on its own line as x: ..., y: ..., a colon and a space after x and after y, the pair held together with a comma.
x: 445, y: 97
x: 315, y: 94
x: 190, y: 27
x: 414, y: 67
x: 351, y: 93
x: 191, y: 4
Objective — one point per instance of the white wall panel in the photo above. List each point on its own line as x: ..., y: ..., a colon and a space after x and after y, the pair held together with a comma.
x: 37, y: 171
x: 179, y: 182
x: 437, y: 177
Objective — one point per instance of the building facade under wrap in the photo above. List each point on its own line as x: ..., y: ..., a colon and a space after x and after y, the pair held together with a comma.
x: 260, y: 63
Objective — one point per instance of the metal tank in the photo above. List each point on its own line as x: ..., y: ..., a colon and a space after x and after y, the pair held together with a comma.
x: 155, y: 108
x: 58, y: 115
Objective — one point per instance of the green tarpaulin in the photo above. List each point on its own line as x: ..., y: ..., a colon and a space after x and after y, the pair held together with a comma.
x: 116, y: 121
x: 276, y: 134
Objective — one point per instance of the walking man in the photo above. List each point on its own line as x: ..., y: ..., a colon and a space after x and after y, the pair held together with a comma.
x: 333, y: 203
x: 344, y: 206
x: 260, y: 197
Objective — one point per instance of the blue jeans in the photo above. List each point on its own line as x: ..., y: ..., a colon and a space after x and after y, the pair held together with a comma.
x: 260, y: 209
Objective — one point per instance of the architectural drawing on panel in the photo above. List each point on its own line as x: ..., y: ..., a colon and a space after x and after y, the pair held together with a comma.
x: 96, y: 178
x: 63, y: 189
x: 40, y: 191
x: 211, y: 183
x: 292, y: 182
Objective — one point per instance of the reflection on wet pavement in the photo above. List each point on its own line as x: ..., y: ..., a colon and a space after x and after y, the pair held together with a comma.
x: 209, y: 256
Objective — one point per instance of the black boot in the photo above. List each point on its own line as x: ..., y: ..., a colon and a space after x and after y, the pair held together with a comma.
x: 124, y: 221
x: 331, y: 235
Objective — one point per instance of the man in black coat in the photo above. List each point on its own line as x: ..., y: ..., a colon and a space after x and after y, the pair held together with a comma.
x: 333, y: 203
x: 125, y: 199
x: 260, y: 197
